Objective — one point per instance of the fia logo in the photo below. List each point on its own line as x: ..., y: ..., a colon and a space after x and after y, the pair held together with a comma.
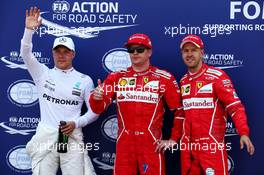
x: 60, y: 6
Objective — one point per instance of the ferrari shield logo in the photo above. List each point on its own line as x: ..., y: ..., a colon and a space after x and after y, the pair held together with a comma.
x: 146, y: 80
x: 199, y: 85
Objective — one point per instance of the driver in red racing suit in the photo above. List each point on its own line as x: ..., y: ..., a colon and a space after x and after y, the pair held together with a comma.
x: 140, y: 93
x: 208, y: 97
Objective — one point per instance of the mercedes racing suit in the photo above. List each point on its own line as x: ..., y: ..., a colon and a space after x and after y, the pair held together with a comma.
x: 61, y: 95
x: 208, y: 97
x: 140, y: 98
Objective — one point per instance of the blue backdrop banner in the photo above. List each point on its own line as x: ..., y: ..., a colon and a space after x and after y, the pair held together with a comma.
x: 232, y: 31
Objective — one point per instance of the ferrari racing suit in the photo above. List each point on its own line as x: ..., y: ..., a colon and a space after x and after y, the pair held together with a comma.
x: 208, y: 98
x: 140, y: 98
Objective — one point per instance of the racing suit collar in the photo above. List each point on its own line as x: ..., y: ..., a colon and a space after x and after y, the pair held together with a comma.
x: 150, y: 68
x: 199, y: 73
x: 66, y: 71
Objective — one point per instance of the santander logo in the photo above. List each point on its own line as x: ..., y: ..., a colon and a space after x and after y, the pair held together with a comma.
x: 198, y: 103
x: 121, y: 97
x: 137, y: 96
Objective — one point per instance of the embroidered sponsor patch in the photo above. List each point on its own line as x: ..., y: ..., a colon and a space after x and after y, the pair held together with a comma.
x: 137, y: 96
x: 210, y: 171
x: 77, y: 93
x: 227, y: 83
x: 208, y: 88
x: 213, y: 71
x: 175, y: 83
x: 198, y: 103
x: 122, y: 82
x: 164, y: 73
x: 152, y: 85
x: 127, y: 82
x: 199, y: 84
x: 132, y: 81
x: 186, y: 89
x: 146, y: 79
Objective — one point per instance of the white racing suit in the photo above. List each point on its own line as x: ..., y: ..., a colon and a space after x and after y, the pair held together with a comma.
x: 45, y: 158
x: 61, y: 96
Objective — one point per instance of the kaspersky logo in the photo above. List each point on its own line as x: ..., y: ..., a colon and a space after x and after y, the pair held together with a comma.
x: 84, y: 19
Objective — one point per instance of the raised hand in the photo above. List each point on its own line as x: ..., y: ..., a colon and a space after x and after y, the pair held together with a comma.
x: 98, y: 92
x: 32, y: 18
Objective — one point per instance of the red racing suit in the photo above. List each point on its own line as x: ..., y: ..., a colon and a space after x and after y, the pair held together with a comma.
x: 208, y: 98
x: 140, y: 98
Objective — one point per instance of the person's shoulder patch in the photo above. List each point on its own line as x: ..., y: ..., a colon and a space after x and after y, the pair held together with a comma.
x: 214, y: 71
x: 163, y: 72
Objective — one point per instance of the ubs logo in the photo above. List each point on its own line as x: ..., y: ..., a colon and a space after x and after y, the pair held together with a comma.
x: 18, y: 160
x: 116, y: 60
x: 23, y: 93
x: 109, y: 128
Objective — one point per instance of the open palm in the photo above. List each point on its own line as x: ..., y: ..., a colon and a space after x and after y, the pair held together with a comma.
x: 32, y: 16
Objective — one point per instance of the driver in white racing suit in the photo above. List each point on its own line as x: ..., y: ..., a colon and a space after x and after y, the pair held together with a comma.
x: 62, y: 92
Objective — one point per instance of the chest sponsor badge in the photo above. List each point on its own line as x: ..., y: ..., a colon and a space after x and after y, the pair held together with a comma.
x: 132, y: 81
x: 208, y: 88
x: 210, y: 171
x: 186, y: 89
x: 122, y: 82
x: 146, y: 80
x: 76, y: 89
x: 227, y: 83
x: 199, y: 84
x: 152, y: 85
x: 127, y: 82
